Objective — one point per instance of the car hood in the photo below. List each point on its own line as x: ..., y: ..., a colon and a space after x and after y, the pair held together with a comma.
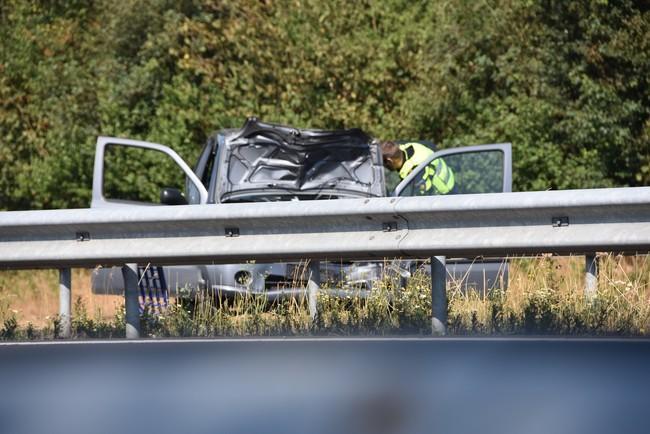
x: 266, y: 160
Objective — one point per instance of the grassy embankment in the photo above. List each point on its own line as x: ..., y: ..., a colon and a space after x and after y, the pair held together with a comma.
x: 544, y: 297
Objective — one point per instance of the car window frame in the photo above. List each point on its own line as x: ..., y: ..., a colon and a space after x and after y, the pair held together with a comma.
x: 100, y: 201
x: 505, y: 148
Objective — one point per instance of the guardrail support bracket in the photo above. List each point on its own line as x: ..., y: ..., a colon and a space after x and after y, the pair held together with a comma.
x: 65, y: 302
x: 131, y: 301
x: 591, y: 276
x: 313, y: 286
x: 439, y: 295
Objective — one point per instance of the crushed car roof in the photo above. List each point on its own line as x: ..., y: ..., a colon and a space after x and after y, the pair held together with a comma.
x: 267, y: 160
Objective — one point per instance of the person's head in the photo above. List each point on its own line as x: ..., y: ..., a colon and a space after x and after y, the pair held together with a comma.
x: 392, y: 155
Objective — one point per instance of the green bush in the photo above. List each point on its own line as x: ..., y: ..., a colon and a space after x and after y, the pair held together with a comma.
x: 565, y: 82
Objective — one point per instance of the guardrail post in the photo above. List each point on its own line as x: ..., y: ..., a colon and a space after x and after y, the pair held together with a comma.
x: 131, y: 301
x: 65, y: 302
x: 313, y: 286
x: 591, y: 276
x: 439, y: 295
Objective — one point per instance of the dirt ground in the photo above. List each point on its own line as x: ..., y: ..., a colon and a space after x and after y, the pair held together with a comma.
x: 33, y: 296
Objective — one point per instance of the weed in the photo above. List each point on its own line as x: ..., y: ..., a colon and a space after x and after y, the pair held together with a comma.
x: 9, y: 328
x: 544, y: 296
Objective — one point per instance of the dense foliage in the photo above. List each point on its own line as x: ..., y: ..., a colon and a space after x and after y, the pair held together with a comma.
x: 565, y: 82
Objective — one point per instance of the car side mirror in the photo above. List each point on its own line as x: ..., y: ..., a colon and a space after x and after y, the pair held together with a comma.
x: 172, y: 196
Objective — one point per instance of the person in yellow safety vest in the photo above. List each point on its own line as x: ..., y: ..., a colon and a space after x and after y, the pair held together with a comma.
x: 437, y: 177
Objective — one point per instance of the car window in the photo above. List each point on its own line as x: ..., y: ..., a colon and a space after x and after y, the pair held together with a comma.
x: 138, y: 174
x: 203, y: 171
x: 473, y: 172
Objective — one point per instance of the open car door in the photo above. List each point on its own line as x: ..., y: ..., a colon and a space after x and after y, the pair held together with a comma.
x: 132, y: 172
x: 476, y: 169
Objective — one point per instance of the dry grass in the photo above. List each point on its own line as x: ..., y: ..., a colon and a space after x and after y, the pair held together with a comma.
x: 32, y: 296
x: 544, y: 296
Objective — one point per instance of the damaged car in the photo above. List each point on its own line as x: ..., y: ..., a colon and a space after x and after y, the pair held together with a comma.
x: 263, y: 162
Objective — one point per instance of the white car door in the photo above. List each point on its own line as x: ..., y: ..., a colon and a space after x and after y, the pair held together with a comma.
x: 114, y: 184
x: 476, y: 169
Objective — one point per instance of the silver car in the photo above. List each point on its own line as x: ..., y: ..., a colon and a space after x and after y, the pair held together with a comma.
x: 265, y: 162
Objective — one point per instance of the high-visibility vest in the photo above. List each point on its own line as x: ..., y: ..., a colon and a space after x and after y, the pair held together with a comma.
x: 437, y: 175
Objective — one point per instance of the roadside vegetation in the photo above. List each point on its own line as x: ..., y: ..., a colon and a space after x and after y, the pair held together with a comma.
x: 566, y: 82
x: 545, y: 296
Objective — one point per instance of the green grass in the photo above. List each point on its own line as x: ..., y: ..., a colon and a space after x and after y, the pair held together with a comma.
x: 544, y: 297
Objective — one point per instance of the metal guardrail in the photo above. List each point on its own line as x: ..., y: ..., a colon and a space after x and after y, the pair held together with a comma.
x: 571, y: 221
